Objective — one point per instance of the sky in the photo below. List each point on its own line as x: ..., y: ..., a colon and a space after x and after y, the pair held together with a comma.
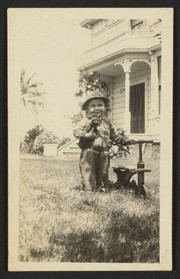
x: 50, y: 44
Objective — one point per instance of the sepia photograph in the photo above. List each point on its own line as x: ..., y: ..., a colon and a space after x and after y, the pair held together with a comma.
x: 90, y: 95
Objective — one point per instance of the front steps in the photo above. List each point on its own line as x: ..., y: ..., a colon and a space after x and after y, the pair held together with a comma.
x: 70, y: 151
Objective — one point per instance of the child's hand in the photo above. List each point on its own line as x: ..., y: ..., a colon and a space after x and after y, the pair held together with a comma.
x: 130, y: 141
x: 95, y: 121
x: 121, y: 140
x: 91, y: 134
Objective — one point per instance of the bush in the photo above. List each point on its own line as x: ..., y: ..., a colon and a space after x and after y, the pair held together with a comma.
x: 36, y: 138
x: 27, y: 144
x: 45, y: 137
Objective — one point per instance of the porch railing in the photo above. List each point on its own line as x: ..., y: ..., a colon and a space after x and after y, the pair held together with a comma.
x: 140, y: 39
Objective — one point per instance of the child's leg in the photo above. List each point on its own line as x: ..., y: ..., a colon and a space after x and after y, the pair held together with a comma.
x: 88, y: 162
x: 102, y: 171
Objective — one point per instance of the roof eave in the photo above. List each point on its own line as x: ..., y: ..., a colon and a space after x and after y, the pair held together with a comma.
x: 112, y: 56
x: 88, y: 22
x: 155, y: 47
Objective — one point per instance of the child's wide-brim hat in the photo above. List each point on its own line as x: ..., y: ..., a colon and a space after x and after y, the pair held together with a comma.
x: 94, y: 95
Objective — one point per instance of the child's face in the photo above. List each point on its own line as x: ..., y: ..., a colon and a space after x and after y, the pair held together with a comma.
x: 96, y: 105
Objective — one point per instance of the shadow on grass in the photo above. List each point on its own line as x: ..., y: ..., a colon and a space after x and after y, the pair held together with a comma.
x: 40, y: 253
x: 82, y: 247
x: 132, y: 239
x: 125, y: 239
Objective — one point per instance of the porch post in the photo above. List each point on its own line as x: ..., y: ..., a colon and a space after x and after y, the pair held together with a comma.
x: 154, y: 89
x: 126, y: 65
x: 127, y: 99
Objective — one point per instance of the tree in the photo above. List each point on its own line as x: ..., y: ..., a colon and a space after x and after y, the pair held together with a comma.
x: 27, y: 144
x: 35, y: 139
x: 45, y: 137
x: 31, y: 97
x: 91, y: 81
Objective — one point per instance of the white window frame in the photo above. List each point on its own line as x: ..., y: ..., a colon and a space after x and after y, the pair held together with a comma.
x: 135, y: 82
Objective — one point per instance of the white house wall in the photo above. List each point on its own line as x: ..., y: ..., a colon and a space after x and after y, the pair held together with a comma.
x: 102, y: 33
x: 118, y: 102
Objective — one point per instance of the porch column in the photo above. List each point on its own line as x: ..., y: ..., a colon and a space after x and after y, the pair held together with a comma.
x: 154, y: 89
x: 127, y: 105
x: 126, y: 65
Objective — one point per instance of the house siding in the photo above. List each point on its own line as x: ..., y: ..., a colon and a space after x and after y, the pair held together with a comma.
x: 105, y: 30
x: 118, y: 102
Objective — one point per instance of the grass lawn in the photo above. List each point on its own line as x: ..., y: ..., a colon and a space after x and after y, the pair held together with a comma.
x: 60, y: 223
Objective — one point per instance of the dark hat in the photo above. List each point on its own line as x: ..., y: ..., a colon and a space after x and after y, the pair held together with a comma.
x: 94, y: 95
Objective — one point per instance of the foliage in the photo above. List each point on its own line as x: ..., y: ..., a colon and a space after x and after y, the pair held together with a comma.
x: 45, y: 137
x: 35, y: 139
x: 90, y: 82
x: 77, y: 117
x: 59, y: 223
x: 118, y: 150
x: 31, y: 97
x: 28, y: 143
x: 63, y: 141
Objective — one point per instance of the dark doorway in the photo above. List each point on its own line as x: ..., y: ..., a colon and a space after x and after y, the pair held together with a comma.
x: 137, y: 108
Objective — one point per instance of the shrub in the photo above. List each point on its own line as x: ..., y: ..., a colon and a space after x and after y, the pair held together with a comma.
x: 36, y: 138
x: 45, y: 137
x: 27, y: 144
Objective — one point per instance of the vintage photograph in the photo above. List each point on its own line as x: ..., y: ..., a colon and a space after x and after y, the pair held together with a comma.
x: 90, y: 138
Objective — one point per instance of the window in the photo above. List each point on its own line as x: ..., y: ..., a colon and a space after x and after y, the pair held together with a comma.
x: 159, y: 84
x: 136, y: 24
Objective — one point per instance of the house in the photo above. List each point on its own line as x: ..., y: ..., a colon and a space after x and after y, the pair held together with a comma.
x: 127, y: 54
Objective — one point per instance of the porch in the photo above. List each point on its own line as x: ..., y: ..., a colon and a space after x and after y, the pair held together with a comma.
x: 133, y: 80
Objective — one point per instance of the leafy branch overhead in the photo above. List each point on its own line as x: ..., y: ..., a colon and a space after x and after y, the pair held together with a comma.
x: 31, y: 97
x: 91, y: 81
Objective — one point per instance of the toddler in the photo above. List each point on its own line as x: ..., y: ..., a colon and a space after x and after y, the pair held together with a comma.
x: 94, y: 133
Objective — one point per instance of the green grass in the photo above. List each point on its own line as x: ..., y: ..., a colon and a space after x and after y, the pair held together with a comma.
x: 60, y: 223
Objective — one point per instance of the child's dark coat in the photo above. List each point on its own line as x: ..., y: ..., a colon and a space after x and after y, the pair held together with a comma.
x: 94, y: 158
